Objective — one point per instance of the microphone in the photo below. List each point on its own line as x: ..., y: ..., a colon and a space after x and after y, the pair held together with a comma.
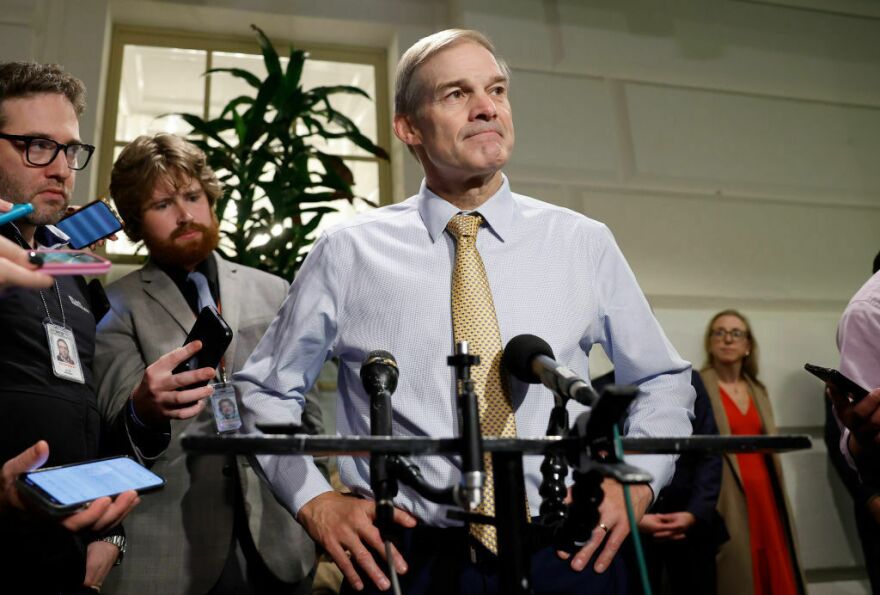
x: 530, y: 359
x: 379, y: 377
x: 469, y: 493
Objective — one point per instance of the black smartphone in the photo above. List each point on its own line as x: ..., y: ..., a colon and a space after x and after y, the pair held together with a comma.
x: 68, y: 488
x: 93, y: 222
x: 215, y: 335
x: 842, y: 383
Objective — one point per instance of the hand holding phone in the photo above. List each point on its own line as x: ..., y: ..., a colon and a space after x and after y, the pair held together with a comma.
x: 215, y: 336
x: 838, y: 380
x: 68, y: 488
x: 159, y: 396
x: 89, y: 224
x: 102, y: 514
x: 72, y: 262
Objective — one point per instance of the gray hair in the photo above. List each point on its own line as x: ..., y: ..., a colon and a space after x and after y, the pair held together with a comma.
x: 408, y: 88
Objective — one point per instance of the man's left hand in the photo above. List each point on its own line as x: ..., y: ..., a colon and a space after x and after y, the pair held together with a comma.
x: 613, y: 522
x: 100, y: 558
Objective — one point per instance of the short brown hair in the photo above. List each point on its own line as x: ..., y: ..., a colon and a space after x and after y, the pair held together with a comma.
x: 143, y: 162
x: 408, y: 88
x: 25, y: 79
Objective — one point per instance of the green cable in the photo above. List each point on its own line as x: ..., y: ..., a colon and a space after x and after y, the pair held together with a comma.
x: 633, y: 525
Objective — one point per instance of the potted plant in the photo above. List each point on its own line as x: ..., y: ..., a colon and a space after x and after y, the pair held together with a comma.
x: 261, y: 147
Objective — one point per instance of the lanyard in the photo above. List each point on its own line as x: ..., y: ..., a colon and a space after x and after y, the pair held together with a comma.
x: 24, y: 245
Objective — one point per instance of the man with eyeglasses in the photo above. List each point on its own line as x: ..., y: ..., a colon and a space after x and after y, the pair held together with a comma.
x: 40, y: 152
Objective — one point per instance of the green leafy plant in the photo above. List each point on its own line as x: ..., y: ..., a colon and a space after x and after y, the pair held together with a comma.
x: 271, y: 158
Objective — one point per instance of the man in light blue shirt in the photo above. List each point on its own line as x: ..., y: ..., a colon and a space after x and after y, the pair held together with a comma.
x: 383, y: 281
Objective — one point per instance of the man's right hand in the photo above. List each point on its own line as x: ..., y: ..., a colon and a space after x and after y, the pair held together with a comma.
x: 156, y: 398
x: 102, y: 514
x: 343, y: 525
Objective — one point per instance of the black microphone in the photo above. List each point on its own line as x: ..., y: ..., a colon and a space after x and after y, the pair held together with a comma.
x: 379, y: 377
x: 530, y: 359
x: 469, y: 493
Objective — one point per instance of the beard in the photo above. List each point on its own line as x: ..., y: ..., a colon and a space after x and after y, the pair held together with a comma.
x: 43, y: 214
x: 185, y: 255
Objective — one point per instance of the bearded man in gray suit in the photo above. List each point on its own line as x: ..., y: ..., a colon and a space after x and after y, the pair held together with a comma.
x: 215, y: 528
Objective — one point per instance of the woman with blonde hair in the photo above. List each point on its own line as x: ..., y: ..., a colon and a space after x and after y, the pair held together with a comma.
x: 761, y: 556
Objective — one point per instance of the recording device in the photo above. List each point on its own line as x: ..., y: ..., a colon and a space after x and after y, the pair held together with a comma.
x: 68, y: 488
x: 16, y: 212
x: 95, y: 221
x: 70, y: 262
x: 530, y: 359
x: 379, y: 376
x: 841, y: 382
x: 215, y: 335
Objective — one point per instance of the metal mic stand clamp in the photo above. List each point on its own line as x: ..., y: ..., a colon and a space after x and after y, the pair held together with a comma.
x: 592, y: 459
x: 469, y: 493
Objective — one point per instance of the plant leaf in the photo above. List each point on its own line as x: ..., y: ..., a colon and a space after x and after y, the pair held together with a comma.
x: 249, y: 77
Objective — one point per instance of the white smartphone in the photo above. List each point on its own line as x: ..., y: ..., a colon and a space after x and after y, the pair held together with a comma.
x: 68, y: 488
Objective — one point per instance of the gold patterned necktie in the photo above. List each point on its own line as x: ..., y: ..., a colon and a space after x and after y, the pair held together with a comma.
x: 474, y: 321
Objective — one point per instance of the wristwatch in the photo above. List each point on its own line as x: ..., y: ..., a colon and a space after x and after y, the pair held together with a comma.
x: 118, y: 541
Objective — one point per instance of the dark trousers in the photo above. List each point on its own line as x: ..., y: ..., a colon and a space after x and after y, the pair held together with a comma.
x: 245, y: 573
x: 685, y: 567
x: 441, y: 563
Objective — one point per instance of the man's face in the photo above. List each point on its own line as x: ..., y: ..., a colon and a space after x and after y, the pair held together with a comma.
x: 48, y: 188
x: 179, y: 225
x: 227, y: 409
x: 464, y: 125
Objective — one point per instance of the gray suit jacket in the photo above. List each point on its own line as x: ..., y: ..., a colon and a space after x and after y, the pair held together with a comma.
x: 179, y: 538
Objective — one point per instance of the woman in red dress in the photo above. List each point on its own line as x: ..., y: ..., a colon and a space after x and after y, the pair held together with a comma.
x: 761, y: 556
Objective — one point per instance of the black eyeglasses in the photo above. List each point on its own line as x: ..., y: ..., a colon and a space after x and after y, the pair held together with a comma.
x: 41, y: 151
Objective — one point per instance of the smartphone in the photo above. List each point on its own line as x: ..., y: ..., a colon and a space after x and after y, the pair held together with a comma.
x: 215, y: 335
x: 842, y: 383
x: 93, y: 222
x: 68, y: 488
x: 72, y: 262
x: 16, y: 212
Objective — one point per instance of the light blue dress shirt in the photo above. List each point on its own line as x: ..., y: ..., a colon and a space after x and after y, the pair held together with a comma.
x: 383, y: 281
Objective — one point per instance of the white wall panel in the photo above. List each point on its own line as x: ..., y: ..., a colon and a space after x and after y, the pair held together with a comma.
x: 822, y: 510
x: 705, y: 246
x: 745, y: 143
x: 16, y: 41
x: 705, y: 43
x: 564, y: 125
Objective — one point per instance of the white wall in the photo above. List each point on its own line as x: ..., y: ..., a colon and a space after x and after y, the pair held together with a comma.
x: 729, y: 144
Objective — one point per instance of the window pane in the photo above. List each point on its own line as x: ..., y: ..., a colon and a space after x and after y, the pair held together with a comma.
x: 362, y: 111
x: 366, y: 176
x: 158, y: 81
x: 358, y: 109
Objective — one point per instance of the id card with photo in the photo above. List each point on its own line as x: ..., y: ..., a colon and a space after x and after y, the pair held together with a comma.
x: 62, y: 349
x: 225, y: 408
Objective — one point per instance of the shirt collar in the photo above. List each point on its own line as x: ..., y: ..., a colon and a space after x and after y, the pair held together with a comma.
x: 51, y: 237
x: 46, y: 236
x: 499, y: 212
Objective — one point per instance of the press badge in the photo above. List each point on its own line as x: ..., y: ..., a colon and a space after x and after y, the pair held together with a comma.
x: 225, y: 408
x: 62, y: 349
